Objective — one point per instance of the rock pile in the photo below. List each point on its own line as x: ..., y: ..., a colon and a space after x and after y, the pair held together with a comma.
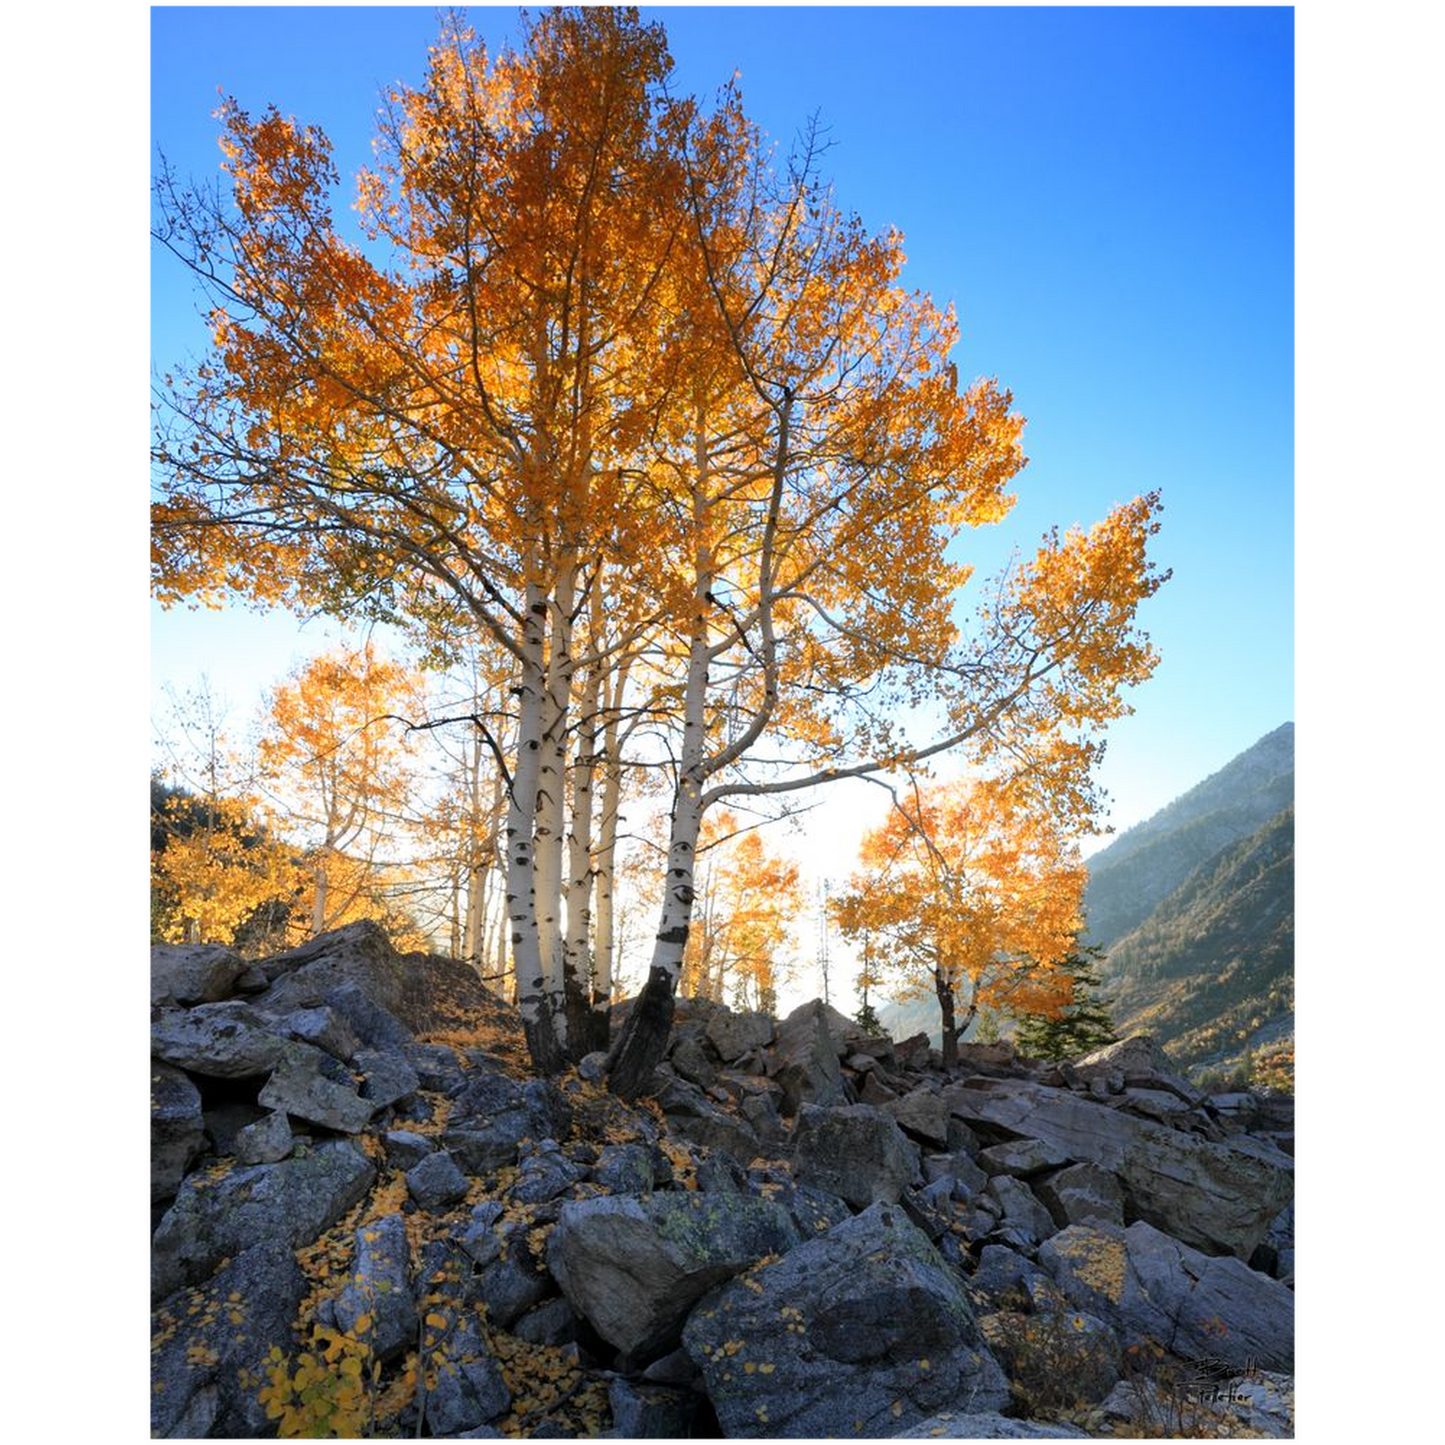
x: 367, y: 1208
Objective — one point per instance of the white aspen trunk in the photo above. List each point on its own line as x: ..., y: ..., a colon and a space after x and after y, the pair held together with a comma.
x: 551, y: 784
x: 577, y: 963
x: 521, y: 821
x: 643, y: 1040
x: 318, y: 901
x: 454, y: 910
x: 604, y: 925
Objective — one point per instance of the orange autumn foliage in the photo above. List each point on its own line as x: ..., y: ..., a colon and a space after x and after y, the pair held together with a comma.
x: 337, y: 769
x: 966, y: 889
x: 744, y: 918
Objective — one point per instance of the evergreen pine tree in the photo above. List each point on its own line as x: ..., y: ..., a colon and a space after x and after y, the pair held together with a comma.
x: 1082, y: 1026
x: 867, y: 1019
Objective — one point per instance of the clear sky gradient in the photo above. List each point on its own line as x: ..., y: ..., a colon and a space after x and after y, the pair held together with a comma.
x: 1106, y: 195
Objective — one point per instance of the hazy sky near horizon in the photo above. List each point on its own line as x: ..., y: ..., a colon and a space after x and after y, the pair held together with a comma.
x: 1107, y: 197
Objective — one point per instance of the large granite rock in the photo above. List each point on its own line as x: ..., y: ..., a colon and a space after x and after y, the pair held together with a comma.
x: 735, y: 1034
x: 228, y: 1040
x: 386, y: 1078
x: 693, y: 1116
x: 466, y: 1385
x: 633, y: 1267
x: 651, y: 1412
x: 1138, y: 1054
x: 1082, y: 1194
x: 804, y: 1059
x: 178, y: 1133
x: 266, y: 1141
x: 421, y: 991
x: 205, y: 1338
x: 188, y: 974
x: 490, y: 1117
x: 290, y: 1202
x: 1021, y: 1216
x: 367, y: 1019
x: 951, y: 1425
x: 436, y: 1183
x: 300, y: 1087
x: 861, y: 1332
x: 1218, y: 1197
x: 323, y: 1027
x: 1152, y: 1288
x: 923, y: 1114
x: 856, y: 1152
x: 377, y: 1293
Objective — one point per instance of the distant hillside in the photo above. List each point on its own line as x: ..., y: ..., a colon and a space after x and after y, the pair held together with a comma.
x: 1142, y: 866
x: 1211, y: 970
x: 913, y: 1016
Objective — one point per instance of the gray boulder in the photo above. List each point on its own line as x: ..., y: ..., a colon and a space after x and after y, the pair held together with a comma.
x: 1021, y: 1157
x: 438, y: 1067
x: 1004, y: 1277
x: 633, y: 1267
x: 804, y: 1059
x: 923, y: 1114
x: 1139, y: 1054
x: 1020, y: 1212
x: 553, y: 1322
x: 203, y: 1339
x: 651, y: 1412
x: 1082, y: 1194
x: 813, y: 1211
x: 420, y: 991
x: 480, y: 1241
x: 216, y: 1040
x: 404, y: 1148
x: 178, y: 1134
x: 624, y: 1169
x: 323, y: 1028
x: 545, y: 1173
x: 1218, y: 1197
x: 513, y: 1282
x: 378, y: 1290
x: 857, y: 1153
x: 368, y: 1020
x: 490, y: 1117
x: 691, y: 1115
x: 467, y: 1389
x: 299, y: 1087
x: 735, y: 1034
x: 861, y: 1332
x: 950, y: 1425
x: 691, y: 1059
x: 1151, y: 1288
x: 290, y: 1202
x: 436, y: 1183
x: 967, y: 1177
x: 875, y: 1092
x: 187, y: 974
x: 266, y: 1141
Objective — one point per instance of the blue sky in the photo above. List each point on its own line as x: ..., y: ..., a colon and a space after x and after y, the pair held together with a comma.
x: 1106, y: 195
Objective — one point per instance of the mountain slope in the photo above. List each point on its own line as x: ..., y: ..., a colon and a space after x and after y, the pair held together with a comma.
x: 1130, y: 877
x: 1211, y: 970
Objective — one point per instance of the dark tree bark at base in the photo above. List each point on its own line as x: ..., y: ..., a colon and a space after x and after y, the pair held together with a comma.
x: 950, y: 1026
x: 542, y: 1044
x: 643, y: 1040
x: 596, y: 1029
x: 577, y: 1009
